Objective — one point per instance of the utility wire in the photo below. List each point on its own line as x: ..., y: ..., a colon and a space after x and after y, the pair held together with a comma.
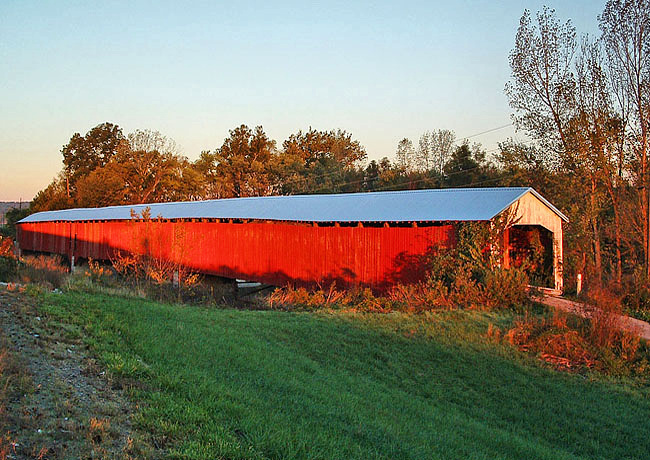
x: 332, y: 173
x: 486, y: 132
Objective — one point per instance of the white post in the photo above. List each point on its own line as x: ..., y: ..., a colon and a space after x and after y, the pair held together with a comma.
x: 579, y: 285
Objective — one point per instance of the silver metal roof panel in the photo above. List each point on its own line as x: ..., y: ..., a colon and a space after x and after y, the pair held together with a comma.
x: 456, y: 204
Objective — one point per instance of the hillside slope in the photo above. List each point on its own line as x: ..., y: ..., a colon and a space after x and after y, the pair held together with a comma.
x: 264, y: 384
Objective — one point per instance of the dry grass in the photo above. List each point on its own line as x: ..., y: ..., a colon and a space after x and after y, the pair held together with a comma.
x: 502, y: 289
x: 573, y: 344
x: 98, y: 430
x: 361, y: 300
x: 48, y: 270
x: 553, y: 341
x: 604, y: 317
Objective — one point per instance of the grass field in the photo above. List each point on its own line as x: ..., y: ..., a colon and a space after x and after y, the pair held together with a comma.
x: 262, y: 384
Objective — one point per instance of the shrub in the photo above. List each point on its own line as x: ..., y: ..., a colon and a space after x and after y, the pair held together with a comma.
x: 465, y: 290
x: 637, y: 299
x: 97, y: 272
x: 7, y: 247
x: 506, y: 288
x: 8, y: 268
x: 420, y: 297
x: 553, y: 340
x: 604, y: 317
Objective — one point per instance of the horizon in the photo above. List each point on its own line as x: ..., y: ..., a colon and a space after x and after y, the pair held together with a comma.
x: 193, y: 73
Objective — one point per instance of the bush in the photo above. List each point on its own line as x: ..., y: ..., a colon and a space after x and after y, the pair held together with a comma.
x: 420, y: 297
x: 506, y: 288
x: 8, y: 268
x: 637, y: 300
x: 553, y: 340
x: 604, y: 317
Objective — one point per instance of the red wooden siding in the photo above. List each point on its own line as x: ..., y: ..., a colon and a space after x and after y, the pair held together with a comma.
x: 274, y: 252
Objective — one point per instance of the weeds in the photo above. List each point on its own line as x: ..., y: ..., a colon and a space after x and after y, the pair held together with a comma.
x: 574, y: 344
x: 8, y: 371
x: 147, y: 268
x: 49, y: 270
x: 637, y: 299
x: 8, y: 263
x: 553, y: 340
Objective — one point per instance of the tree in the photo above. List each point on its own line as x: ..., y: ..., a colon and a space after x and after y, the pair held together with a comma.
x: 594, y: 132
x: 244, y: 165
x: 321, y: 161
x: 442, y: 145
x: 542, y: 79
x: 206, y: 168
x: 52, y: 197
x: 405, y: 155
x: 145, y: 169
x: 83, y: 154
x: 424, y: 154
x: 464, y: 168
x: 564, y: 97
x: 435, y: 149
x: 625, y: 26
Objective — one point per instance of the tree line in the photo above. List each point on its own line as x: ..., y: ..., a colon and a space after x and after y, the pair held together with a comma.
x: 106, y: 167
x: 583, y: 102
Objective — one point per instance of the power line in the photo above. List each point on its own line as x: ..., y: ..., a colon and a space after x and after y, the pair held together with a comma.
x: 332, y: 173
x: 488, y: 131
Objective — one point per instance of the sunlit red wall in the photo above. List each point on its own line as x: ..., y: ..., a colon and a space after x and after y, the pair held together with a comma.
x: 269, y: 252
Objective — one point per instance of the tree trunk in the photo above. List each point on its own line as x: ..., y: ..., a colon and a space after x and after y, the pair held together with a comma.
x: 613, y: 194
x: 595, y: 233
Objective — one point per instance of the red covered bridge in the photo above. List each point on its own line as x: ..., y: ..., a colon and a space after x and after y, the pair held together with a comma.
x: 368, y: 239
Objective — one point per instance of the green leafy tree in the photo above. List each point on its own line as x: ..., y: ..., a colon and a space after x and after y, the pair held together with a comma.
x: 464, y: 168
x: 321, y: 161
x: 83, y: 154
x: 245, y: 165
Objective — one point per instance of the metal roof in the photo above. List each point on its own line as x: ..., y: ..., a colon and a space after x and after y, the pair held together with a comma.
x: 456, y: 204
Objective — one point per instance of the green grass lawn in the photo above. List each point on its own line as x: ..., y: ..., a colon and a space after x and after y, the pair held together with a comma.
x: 263, y: 384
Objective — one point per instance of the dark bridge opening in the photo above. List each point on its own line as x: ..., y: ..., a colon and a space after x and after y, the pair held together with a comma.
x: 530, y: 247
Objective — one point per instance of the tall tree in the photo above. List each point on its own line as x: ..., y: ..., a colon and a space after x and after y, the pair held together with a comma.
x: 424, y: 153
x: 442, y: 146
x: 83, y: 154
x: 321, y: 161
x: 405, y: 155
x: 542, y: 82
x: 434, y: 150
x: 146, y: 168
x: 625, y: 26
x: 54, y: 196
x: 464, y: 167
x: 244, y: 165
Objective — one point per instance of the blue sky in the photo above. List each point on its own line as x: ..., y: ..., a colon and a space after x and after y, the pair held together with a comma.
x: 194, y: 70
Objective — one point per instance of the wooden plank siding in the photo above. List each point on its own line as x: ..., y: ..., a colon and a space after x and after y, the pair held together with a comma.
x: 269, y: 252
